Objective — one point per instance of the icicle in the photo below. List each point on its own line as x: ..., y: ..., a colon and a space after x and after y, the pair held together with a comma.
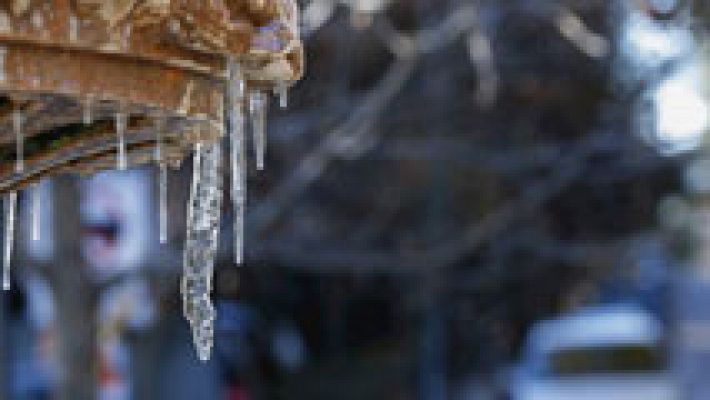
x: 121, y: 122
x: 163, y: 195
x: 73, y: 28
x: 162, y: 181
x: 10, y: 214
x: 88, y: 111
x: 37, y: 21
x: 159, y: 129
x: 203, y: 217
x: 36, y: 210
x: 126, y: 37
x: 257, y: 108
x: 10, y: 203
x: 281, y: 90
x: 3, y: 61
x: 17, y: 122
x: 238, y: 154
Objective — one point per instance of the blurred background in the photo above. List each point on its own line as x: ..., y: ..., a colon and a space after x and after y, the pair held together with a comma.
x: 466, y: 199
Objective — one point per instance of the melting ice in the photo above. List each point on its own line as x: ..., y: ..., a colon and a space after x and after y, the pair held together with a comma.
x: 238, y: 155
x: 121, y: 122
x: 10, y: 205
x: 203, y: 218
x: 162, y: 181
x: 257, y: 108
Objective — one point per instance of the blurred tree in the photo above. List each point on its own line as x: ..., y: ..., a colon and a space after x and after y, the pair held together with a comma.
x: 484, y: 149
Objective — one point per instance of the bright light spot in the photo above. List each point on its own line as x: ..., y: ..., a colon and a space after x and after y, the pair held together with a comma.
x: 651, y: 43
x: 681, y: 113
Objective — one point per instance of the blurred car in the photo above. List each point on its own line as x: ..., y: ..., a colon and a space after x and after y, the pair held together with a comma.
x: 604, y: 352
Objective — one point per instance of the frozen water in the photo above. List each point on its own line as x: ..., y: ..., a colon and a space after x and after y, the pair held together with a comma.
x: 203, y: 218
x: 88, y: 111
x: 17, y: 125
x: 163, y: 195
x: 36, y: 210
x: 238, y: 155
x: 281, y: 90
x: 159, y: 131
x: 257, y: 108
x: 162, y: 182
x: 126, y: 37
x: 73, y: 28
x: 121, y: 122
x: 10, y: 204
x: 3, y: 57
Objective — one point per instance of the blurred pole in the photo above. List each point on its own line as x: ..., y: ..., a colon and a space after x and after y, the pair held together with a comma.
x: 75, y: 297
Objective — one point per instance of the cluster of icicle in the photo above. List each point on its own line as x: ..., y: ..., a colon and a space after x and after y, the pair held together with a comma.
x: 205, y: 203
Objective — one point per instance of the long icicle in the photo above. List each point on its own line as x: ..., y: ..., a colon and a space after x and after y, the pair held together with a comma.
x: 88, y: 111
x: 11, y: 198
x: 257, y: 108
x: 238, y: 155
x: 163, y: 199
x: 162, y: 181
x: 36, y: 211
x: 281, y: 90
x: 202, y: 237
x: 10, y: 204
x: 17, y: 124
x: 18, y: 121
x: 121, y: 122
x: 73, y: 28
x: 3, y: 62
